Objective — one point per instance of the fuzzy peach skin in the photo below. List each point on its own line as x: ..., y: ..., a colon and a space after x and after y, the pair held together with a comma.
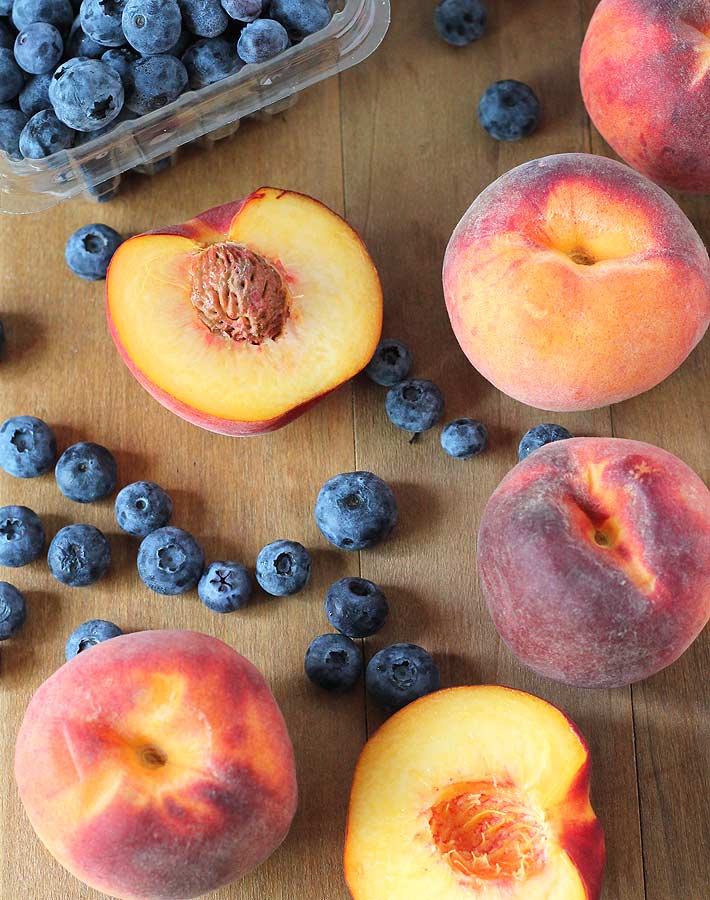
x: 157, y: 766
x: 594, y: 557
x: 242, y: 318
x: 645, y: 76
x: 573, y: 282
x: 474, y: 793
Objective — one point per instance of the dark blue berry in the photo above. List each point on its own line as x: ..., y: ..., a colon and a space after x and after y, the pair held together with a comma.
x: 55, y: 12
x: 89, y: 634
x: 460, y: 22
x: 170, y: 561
x: 390, y: 364
x: 210, y: 60
x: 38, y: 48
x: 400, y: 674
x: 355, y: 510
x: 60, y: 72
x: 225, y: 587
x: 12, y: 123
x: 80, y: 44
x: 120, y: 59
x: 244, y: 10
x: 356, y: 607
x: 154, y: 81
x: 414, y: 405
x: 509, y: 110
x: 28, y: 447
x: 143, y: 507
x: 34, y: 96
x: 12, y: 78
x: 13, y: 611
x: 88, y: 95
x: 44, y: 135
x: 79, y: 555
x: 21, y: 536
x: 464, y: 438
x: 90, y: 249
x: 283, y: 568
x: 262, y: 40
x: 152, y: 26
x: 300, y: 17
x: 539, y: 436
x: 86, y: 472
x: 102, y: 21
x: 205, y: 18
x: 333, y: 662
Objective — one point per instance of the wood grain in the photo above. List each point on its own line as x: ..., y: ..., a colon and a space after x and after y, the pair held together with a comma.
x: 393, y: 144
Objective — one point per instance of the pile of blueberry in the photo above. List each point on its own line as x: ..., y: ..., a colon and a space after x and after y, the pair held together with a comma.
x: 71, y: 69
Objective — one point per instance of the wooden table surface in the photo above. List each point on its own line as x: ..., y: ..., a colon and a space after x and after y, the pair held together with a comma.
x: 395, y: 146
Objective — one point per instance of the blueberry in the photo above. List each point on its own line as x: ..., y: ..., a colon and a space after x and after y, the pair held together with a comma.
x: 356, y: 607
x: 86, y: 472
x: 333, y: 662
x: 80, y: 44
x: 460, y: 22
x: 34, y: 96
x: 89, y: 251
x: 170, y: 561
x: 59, y: 74
x: 28, y: 447
x: 38, y: 48
x: 88, y: 95
x: 89, y: 635
x: 225, y: 587
x: 143, y: 507
x: 152, y: 26
x: 262, y: 40
x: 301, y: 17
x: 7, y: 37
x: 13, y: 611
x: 355, y: 510
x: 56, y: 12
x: 244, y: 10
x: 44, y: 135
x: 154, y: 81
x: 390, y: 364
x: 283, y: 568
x: 414, y: 405
x: 21, y: 536
x: 102, y: 21
x: 539, y: 436
x: 11, y: 77
x: 210, y: 60
x: 120, y: 59
x: 464, y: 438
x: 400, y: 674
x: 509, y: 110
x: 205, y: 18
x: 12, y: 123
x: 79, y: 555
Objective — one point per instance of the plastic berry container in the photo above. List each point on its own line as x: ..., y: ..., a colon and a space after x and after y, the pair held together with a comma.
x: 152, y: 142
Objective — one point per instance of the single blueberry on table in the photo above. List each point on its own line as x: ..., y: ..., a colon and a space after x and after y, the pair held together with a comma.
x: 301, y: 17
x: 152, y: 26
x: 38, y: 48
x: 102, y: 21
x: 283, y: 568
x: 356, y: 607
x: 28, y: 447
x: 79, y: 555
x: 86, y: 472
x: 262, y: 40
x: 460, y: 22
x: 34, y: 96
x: 88, y: 95
x: 333, y: 662
x: 90, y: 249
x: 44, y: 135
x: 21, y: 536
x: 225, y: 587
x: 12, y: 78
x: 12, y: 123
x: 355, y: 510
x: 539, y: 436
x: 414, y: 405
x: 55, y: 12
x: 120, y: 60
x: 390, y: 364
x: 400, y: 674
x: 509, y: 110
x: 143, y: 507
x: 13, y: 611
x: 244, y: 10
x: 80, y: 44
x: 89, y: 634
x: 170, y: 561
x: 464, y: 438
x: 204, y: 18
x: 153, y: 82
x: 210, y: 60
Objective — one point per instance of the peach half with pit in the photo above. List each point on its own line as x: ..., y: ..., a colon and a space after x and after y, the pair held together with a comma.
x: 242, y: 318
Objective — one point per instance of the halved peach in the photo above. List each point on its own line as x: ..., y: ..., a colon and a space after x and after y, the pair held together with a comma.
x: 474, y: 792
x: 242, y: 318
